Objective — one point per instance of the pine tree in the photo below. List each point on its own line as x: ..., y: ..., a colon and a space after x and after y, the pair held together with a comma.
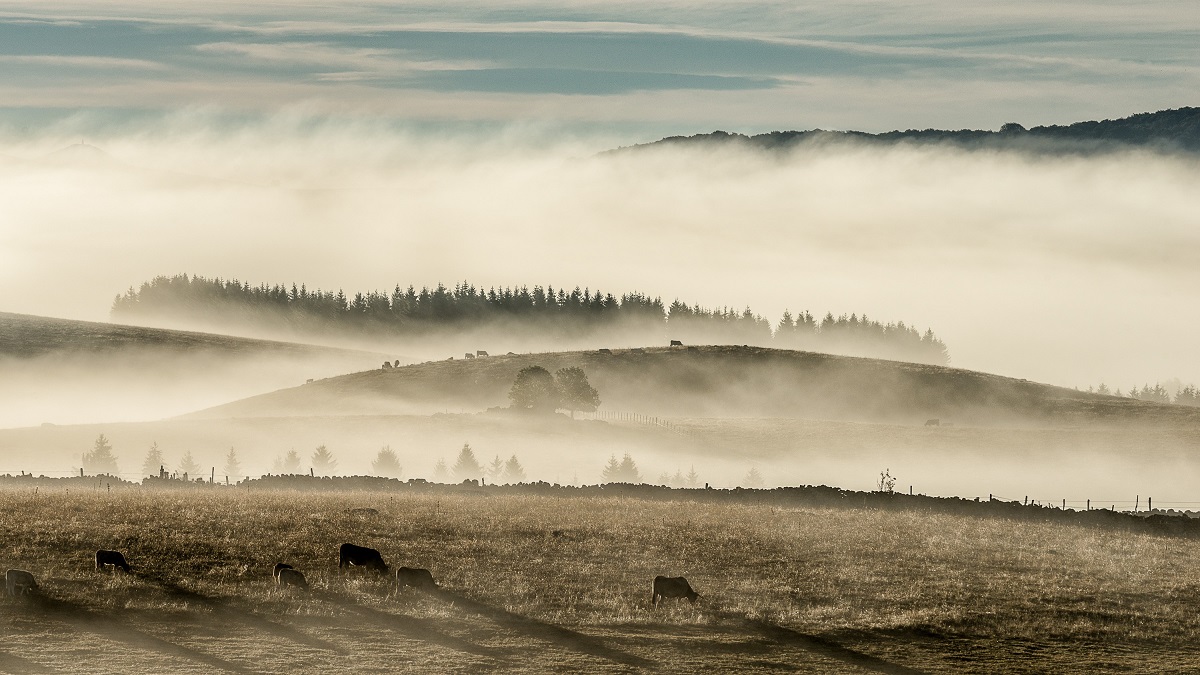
x: 233, y: 468
x: 496, y: 469
x: 467, y: 467
x: 753, y: 478
x: 440, y: 473
x: 513, y: 471
x: 664, y: 479
x: 154, y: 461
x: 677, y: 479
x: 101, y: 459
x: 323, y: 463
x: 692, y: 480
x: 291, y: 462
x: 188, y: 465
x: 387, y: 464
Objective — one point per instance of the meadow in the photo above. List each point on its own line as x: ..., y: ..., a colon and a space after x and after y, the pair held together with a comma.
x: 562, y: 584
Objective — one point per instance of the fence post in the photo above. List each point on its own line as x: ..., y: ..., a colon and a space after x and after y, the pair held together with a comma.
x: 1089, y: 506
x: 1137, y: 501
x: 1150, y: 504
x: 1064, y: 508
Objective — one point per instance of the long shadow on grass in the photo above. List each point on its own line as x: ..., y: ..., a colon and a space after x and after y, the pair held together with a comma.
x: 828, y: 648
x: 544, y: 631
x: 113, y: 628
x: 223, y: 610
x: 410, y: 627
x: 11, y: 663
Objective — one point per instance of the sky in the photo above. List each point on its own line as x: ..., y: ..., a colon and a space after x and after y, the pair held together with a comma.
x: 360, y: 147
x: 638, y: 69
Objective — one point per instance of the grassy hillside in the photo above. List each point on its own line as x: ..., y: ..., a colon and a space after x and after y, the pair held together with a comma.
x: 62, y: 371
x: 720, y: 381
x: 24, y: 336
x: 562, y: 584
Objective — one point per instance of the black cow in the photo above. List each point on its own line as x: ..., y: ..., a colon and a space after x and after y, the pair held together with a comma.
x: 676, y: 343
x: 289, y: 576
x: 361, y: 556
x: 113, y: 558
x: 415, y: 577
x: 18, y: 583
x: 672, y: 587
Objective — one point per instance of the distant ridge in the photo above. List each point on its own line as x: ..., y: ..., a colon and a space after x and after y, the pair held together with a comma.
x: 1168, y: 131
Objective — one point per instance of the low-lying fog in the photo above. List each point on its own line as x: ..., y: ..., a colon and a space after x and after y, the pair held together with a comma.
x: 1070, y: 271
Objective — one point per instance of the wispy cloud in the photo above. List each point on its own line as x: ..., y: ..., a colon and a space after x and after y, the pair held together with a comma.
x: 93, y: 62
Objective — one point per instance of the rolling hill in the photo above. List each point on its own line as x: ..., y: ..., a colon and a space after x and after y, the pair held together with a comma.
x: 719, y: 381
x: 63, y: 371
x: 1175, y: 131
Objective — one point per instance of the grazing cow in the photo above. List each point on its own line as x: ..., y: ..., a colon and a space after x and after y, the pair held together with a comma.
x: 361, y: 556
x: 672, y: 587
x: 18, y: 583
x: 480, y: 352
x: 676, y: 343
x: 113, y: 558
x: 279, y: 567
x: 415, y: 577
x: 933, y: 423
x: 289, y: 576
x: 387, y: 365
x: 606, y: 351
x: 397, y: 363
x: 468, y: 355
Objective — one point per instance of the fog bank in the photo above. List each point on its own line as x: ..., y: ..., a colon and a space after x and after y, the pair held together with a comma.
x: 1069, y: 271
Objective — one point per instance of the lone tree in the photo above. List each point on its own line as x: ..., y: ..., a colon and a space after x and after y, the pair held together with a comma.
x: 575, y: 391
x: 467, y: 467
x: 387, y: 464
x: 154, y: 461
x: 535, y: 390
x: 188, y: 465
x: 624, y: 471
x: 101, y: 459
x: 513, y: 471
x: 323, y: 461
x: 496, y: 469
x: 233, y: 467
x: 753, y: 478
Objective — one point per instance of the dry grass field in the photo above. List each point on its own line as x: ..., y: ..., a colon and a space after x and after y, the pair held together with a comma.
x: 561, y: 584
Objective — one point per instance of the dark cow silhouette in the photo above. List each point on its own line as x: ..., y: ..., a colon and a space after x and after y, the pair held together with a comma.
x: 672, y: 587
x: 18, y: 583
x: 113, y: 558
x: 933, y: 423
x: 387, y: 365
x: 279, y: 567
x: 468, y: 355
x: 480, y: 352
x: 415, y: 577
x: 289, y: 576
x: 361, y: 556
x: 676, y: 343
x: 606, y: 351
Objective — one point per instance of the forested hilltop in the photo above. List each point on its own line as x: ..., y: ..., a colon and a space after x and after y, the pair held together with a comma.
x: 1164, y: 131
x: 575, y: 315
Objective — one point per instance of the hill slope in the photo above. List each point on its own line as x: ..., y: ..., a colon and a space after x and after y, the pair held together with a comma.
x: 1166, y: 130
x: 726, y: 381
x: 76, y: 371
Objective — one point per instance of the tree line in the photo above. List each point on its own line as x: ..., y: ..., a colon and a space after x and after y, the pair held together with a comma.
x: 1189, y: 395
x: 553, y: 311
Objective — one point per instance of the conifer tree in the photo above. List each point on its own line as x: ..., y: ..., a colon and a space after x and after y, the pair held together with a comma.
x: 188, y: 465
x: 291, y: 462
x: 440, y: 473
x: 467, y: 467
x: 496, y: 469
x: 101, y: 459
x: 753, y: 478
x: 387, y: 464
x: 233, y: 468
x: 692, y: 480
x: 513, y: 471
x: 153, y: 462
x: 323, y: 463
